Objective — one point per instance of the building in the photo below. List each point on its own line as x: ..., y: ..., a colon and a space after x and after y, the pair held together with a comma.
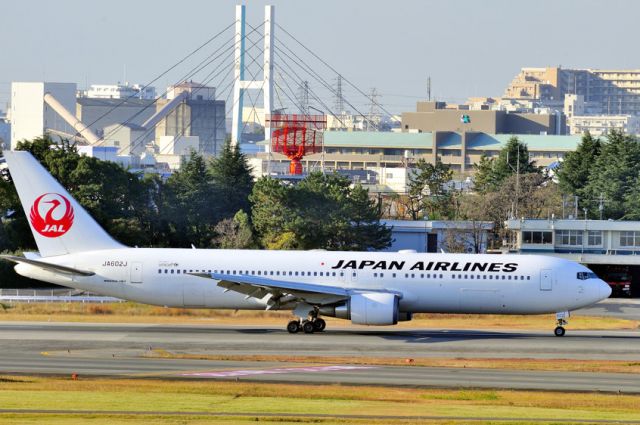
x: 601, y: 125
x: 98, y: 113
x: 438, y: 116
x: 438, y: 236
x: 129, y: 139
x: 382, y: 160
x: 200, y: 114
x: 609, y: 91
x: 604, y: 246
x: 119, y: 91
x: 545, y: 84
x: 32, y: 117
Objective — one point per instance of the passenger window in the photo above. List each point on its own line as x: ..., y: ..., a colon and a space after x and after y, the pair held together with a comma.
x: 381, y: 274
x: 393, y: 275
x: 528, y: 277
x: 159, y: 271
x: 315, y: 273
x: 441, y: 276
x: 375, y: 275
x: 421, y: 276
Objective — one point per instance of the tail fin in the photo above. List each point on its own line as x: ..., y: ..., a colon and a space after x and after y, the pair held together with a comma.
x: 58, y: 223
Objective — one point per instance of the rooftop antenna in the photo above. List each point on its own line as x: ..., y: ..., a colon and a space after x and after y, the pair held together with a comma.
x: 429, y: 88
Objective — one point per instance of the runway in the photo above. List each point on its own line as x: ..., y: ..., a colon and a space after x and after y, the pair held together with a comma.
x: 119, y: 350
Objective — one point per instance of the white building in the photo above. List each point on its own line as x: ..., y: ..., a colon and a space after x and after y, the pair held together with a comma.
x: 119, y: 91
x: 31, y: 117
x: 438, y: 236
x: 599, y: 125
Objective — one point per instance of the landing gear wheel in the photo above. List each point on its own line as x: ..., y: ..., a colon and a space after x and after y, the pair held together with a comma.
x: 319, y: 325
x: 559, y: 331
x: 308, y: 327
x: 293, y: 327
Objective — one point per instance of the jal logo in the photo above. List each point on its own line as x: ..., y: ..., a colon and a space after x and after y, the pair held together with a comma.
x: 51, y: 215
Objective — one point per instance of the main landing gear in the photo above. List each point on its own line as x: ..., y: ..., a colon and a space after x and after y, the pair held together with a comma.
x: 561, y: 322
x: 307, y: 326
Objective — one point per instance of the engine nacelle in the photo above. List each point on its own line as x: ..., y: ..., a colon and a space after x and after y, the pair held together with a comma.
x: 369, y: 308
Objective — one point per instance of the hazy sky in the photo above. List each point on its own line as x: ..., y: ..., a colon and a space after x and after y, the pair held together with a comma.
x: 469, y: 48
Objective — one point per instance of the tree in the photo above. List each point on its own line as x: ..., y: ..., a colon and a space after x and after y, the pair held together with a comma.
x: 614, y: 175
x: 271, y: 213
x: 483, y: 179
x: 573, y: 174
x: 231, y: 176
x: 427, y: 189
x: 322, y: 211
x: 191, y: 208
x: 235, y: 233
x: 513, y: 159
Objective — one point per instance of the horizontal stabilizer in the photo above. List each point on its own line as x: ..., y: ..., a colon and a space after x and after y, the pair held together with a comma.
x: 55, y: 268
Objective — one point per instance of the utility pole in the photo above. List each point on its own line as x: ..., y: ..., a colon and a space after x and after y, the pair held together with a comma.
x: 601, y: 204
x: 429, y: 88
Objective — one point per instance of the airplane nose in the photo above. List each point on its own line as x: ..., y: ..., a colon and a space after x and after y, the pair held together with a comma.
x: 605, y: 289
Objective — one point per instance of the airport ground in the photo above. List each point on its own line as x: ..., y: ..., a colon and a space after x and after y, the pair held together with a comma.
x: 214, y: 367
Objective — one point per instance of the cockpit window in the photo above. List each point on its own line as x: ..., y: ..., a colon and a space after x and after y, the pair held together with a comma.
x: 586, y: 275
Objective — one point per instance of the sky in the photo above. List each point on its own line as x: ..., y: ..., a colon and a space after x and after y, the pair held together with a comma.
x: 468, y: 48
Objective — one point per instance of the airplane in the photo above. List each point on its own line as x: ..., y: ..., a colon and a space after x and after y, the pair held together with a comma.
x: 368, y: 288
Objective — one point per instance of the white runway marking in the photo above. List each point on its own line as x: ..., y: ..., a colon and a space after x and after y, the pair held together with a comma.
x: 280, y: 370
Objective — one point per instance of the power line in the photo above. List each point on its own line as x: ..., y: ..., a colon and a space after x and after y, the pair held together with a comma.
x: 326, y: 64
x: 193, y: 52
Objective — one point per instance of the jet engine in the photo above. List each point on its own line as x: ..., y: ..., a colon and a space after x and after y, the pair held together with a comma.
x: 369, y: 308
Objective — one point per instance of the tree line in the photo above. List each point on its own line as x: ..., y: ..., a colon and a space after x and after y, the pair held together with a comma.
x: 208, y: 203
x: 602, y: 174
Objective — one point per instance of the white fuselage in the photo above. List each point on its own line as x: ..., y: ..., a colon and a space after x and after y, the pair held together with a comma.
x: 445, y: 283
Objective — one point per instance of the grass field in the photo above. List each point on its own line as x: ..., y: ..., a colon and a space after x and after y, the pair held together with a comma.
x: 128, y: 312
x: 173, y: 402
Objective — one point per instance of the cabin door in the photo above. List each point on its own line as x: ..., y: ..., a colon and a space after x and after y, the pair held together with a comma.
x: 546, y: 280
x: 136, y: 272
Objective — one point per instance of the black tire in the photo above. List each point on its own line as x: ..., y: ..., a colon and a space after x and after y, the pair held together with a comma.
x: 293, y: 327
x: 319, y: 325
x: 308, y: 327
x: 559, y: 331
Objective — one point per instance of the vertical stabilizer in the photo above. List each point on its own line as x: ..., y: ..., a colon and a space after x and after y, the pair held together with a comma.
x: 59, y: 224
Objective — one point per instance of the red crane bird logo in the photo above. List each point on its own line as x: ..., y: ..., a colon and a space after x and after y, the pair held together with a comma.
x: 51, y: 226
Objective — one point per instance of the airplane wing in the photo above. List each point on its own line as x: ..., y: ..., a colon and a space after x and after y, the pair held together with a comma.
x: 280, y: 290
x: 47, y: 266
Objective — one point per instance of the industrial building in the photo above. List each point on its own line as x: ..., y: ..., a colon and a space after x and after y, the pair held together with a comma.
x: 438, y: 116
x: 101, y: 113
x: 200, y: 114
x: 607, y: 247
x: 32, y: 117
x: 383, y: 151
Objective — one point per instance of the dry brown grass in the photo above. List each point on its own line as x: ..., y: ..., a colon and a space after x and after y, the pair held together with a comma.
x: 129, y: 312
x: 611, y: 366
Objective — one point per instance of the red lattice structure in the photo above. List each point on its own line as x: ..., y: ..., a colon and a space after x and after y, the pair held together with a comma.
x: 296, y: 136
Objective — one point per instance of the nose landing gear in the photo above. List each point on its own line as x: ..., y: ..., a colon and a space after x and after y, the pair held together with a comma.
x: 561, y: 322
